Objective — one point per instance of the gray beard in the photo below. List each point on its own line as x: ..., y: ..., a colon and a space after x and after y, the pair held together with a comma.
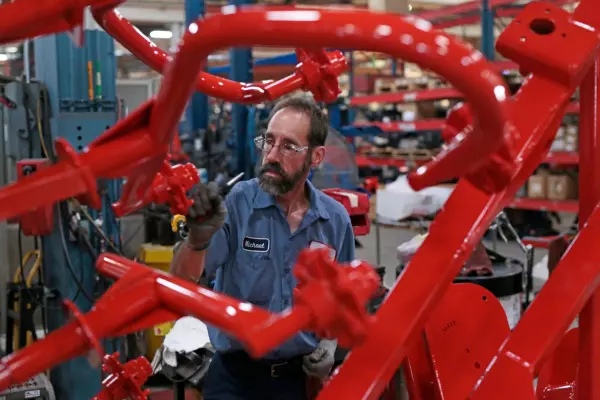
x: 283, y: 184
x: 277, y: 186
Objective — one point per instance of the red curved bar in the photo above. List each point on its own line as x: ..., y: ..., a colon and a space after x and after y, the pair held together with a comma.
x: 408, y: 38
x: 146, y: 51
x: 20, y: 20
x: 142, y: 294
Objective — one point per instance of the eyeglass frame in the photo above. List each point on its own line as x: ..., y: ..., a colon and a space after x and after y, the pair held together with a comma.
x: 291, y: 146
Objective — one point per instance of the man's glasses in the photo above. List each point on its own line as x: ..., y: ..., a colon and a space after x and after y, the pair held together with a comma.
x: 286, y: 149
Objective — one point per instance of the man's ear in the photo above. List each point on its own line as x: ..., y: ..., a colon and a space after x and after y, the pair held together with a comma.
x: 318, y: 154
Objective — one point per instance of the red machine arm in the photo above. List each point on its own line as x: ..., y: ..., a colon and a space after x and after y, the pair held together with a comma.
x: 155, y: 123
x: 458, y: 228
x: 502, y: 159
x: 330, y: 301
x: 48, y: 16
x: 317, y: 71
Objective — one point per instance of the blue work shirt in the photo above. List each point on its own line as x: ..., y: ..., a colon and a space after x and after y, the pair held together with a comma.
x: 254, y: 252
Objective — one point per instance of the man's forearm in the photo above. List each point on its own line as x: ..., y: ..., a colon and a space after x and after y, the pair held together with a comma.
x: 187, y: 263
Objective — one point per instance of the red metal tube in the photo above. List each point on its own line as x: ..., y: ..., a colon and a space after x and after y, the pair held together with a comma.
x: 588, y: 375
x: 449, y: 242
x: 253, y: 326
x: 154, y: 57
x: 466, y: 69
x: 548, y: 318
x: 64, y: 180
x: 258, y: 329
x: 20, y: 20
x: 70, y: 341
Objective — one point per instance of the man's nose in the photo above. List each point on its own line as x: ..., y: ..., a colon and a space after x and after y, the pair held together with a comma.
x: 273, y: 154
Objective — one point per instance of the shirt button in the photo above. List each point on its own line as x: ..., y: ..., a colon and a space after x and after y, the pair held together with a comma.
x: 287, y: 270
x: 285, y: 302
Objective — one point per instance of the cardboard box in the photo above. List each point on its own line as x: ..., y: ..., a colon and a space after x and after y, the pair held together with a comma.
x: 561, y: 187
x: 537, y: 187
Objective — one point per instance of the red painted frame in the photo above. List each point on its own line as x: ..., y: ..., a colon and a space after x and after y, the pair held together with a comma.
x: 494, y: 152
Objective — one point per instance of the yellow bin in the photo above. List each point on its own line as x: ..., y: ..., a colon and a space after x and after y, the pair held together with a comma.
x: 159, y: 257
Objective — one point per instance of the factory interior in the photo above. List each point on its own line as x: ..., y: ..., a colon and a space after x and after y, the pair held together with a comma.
x: 446, y: 212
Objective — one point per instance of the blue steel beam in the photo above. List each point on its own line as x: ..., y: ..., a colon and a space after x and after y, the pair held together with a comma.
x: 487, y: 30
x: 241, y: 71
x: 197, y: 111
x: 79, y: 113
x: 284, y: 59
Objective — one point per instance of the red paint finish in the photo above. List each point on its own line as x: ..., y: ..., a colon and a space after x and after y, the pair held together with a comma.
x: 494, y: 146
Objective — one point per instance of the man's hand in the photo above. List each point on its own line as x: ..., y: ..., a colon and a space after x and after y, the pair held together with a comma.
x: 205, y: 216
x: 319, y: 362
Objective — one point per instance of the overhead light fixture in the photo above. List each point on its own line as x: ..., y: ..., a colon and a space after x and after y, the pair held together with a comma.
x: 12, y: 49
x: 3, y: 57
x: 161, y: 34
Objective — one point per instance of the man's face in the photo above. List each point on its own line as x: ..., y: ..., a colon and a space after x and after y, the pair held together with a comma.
x: 282, y: 167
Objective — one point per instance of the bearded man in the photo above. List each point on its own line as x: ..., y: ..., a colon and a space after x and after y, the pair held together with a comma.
x: 251, y: 241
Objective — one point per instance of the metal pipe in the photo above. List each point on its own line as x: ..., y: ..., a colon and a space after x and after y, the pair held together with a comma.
x: 197, y: 110
x: 588, y: 376
x: 487, y: 30
x: 26, y: 60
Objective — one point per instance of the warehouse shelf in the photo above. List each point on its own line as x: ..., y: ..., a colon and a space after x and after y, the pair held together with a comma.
x: 570, y: 206
x: 402, y: 126
x: 557, y: 157
x: 407, y: 96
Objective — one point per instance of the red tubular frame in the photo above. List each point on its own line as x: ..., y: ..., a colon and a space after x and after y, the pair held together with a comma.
x: 496, y: 154
x: 329, y: 301
x: 157, y: 59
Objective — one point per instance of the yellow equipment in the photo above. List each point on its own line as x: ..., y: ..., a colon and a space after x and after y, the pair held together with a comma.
x: 178, y: 224
x: 159, y: 257
x: 28, y: 281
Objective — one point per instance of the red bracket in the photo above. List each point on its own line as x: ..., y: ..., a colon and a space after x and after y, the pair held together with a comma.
x: 336, y: 296
x: 320, y: 71
x: 170, y: 186
x: 124, y: 381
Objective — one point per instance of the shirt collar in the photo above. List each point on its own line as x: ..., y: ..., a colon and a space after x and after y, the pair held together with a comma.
x: 263, y: 199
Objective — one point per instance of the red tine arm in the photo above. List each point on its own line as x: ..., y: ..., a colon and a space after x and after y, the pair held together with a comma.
x: 20, y: 20
x: 407, y: 38
x: 157, y: 59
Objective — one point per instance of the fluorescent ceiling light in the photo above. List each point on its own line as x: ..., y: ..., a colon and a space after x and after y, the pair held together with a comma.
x: 3, y: 57
x: 12, y: 49
x: 161, y: 34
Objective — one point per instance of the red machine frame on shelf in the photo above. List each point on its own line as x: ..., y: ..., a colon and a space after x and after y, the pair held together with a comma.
x: 446, y: 353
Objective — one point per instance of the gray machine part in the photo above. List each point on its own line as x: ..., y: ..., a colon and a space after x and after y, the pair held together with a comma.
x: 191, y: 367
x: 22, y: 136
x: 36, y: 388
x: 338, y: 169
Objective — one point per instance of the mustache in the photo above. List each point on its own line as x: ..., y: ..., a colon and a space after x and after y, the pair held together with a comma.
x: 272, y: 168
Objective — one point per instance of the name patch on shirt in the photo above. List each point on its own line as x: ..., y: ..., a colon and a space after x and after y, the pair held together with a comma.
x: 260, y: 245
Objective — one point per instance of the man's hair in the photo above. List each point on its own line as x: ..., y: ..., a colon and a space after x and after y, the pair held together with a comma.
x: 319, y: 123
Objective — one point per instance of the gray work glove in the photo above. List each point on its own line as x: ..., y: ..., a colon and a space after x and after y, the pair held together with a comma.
x: 205, y: 216
x: 319, y: 362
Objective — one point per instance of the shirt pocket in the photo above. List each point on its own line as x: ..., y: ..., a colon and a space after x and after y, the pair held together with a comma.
x: 255, y: 276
